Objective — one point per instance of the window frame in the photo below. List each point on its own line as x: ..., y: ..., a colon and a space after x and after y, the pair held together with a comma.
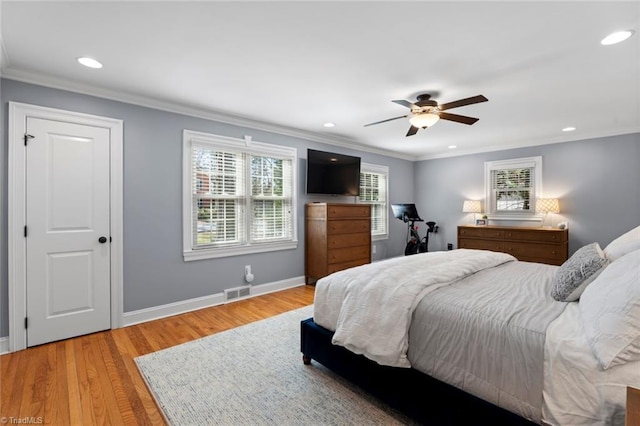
x: 380, y: 170
x: 516, y: 163
x: 247, y: 147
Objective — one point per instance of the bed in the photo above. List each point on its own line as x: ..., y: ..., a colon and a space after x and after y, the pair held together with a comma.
x: 493, y: 338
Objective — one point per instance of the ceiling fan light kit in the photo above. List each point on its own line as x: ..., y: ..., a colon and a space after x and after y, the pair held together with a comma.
x: 426, y: 112
x: 424, y: 119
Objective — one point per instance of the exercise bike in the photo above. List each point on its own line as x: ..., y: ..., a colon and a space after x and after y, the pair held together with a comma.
x: 408, y: 214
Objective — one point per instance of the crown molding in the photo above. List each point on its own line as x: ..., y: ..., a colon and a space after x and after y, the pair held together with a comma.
x: 530, y: 143
x: 177, y: 108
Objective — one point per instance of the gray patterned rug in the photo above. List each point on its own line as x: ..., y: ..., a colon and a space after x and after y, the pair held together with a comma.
x: 254, y: 375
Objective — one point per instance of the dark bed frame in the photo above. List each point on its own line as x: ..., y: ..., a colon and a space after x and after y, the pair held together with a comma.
x: 419, y: 396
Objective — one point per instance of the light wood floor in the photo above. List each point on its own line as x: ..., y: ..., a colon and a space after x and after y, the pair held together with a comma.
x: 93, y: 379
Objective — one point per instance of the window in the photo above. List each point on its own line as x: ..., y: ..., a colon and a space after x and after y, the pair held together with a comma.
x: 512, y: 187
x: 373, y: 190
x: 238, y: 196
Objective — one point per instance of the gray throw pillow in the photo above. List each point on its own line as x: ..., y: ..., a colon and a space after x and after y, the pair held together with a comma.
x: 577, y: 272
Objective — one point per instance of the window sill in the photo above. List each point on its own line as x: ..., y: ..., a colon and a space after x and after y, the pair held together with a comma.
x: 379, y: 237
x: 214, y: 253
x: 516, y: 217
x: 527, y: 221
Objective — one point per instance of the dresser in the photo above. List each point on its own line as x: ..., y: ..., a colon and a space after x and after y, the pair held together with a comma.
x: 541, y: 245
x: 337, y: 237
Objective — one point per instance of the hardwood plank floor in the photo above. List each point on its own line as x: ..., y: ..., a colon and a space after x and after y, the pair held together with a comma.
x: 93, y: 379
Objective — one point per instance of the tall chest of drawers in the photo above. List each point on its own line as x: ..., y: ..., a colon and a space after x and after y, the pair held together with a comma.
x: 337, y: 237
x: 541, y: 245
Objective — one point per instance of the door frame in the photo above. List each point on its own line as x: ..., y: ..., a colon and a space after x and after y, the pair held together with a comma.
x: 17, y: 266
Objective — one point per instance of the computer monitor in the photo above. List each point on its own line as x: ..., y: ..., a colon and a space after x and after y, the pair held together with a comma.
x: 406, y: 212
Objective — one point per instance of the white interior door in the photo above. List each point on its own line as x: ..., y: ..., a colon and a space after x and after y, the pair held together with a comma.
x: 67, y: 218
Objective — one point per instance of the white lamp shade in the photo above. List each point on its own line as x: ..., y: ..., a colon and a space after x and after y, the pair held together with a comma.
x: 425, y: 119
x: 471, y: 206
x: 547, y: 205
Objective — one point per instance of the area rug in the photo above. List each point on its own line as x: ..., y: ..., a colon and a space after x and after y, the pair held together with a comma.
x: 254, y: 375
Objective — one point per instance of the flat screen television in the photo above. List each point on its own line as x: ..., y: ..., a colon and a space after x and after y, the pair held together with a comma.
x: 332, y: 173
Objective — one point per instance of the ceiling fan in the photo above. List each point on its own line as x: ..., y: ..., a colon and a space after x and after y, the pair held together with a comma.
x: 426, y: 112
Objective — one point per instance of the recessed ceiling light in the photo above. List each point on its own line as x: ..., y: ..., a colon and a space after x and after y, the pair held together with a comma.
x: 452, y: 147
x: 329, y: 124
x: 616, y: 37
x: 568, y: 129
x: 89, y: 62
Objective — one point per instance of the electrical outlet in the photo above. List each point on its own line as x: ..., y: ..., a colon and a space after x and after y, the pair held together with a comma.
x: 373, y: 250
x: 449, y: 246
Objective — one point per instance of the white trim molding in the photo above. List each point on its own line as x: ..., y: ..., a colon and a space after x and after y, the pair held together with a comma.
x: 17, y: 271
x: 192, y: 138
x: 383, y: 170
x: 207, y: 114
x: 4, y: 345
x: 184, y: 306
x: 508, y: 216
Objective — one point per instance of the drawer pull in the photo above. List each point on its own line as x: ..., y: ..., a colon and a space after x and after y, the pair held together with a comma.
x: 497, y: 233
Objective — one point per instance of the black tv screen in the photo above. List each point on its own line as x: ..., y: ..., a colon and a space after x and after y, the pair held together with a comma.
x: 331, y: 173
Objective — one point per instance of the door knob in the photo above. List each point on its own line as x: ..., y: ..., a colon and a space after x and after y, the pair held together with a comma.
x: 102, y: 240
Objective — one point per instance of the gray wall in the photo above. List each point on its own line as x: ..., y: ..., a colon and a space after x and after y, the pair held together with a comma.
x: 154, y: 270
x: 596, y: 180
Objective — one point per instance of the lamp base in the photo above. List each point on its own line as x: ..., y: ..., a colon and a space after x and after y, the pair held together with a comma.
x: 544, y: 220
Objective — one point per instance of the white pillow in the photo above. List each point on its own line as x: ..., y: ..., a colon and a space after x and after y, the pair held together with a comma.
x: 625, y: 243
x: 610, y: 312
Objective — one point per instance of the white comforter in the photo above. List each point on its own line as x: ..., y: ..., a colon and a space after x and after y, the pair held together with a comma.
x: 371, y: 309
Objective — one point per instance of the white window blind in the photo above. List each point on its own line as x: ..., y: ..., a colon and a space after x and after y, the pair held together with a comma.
x: 218, y: 197
x: 239, y: 196
x: 271, y: 199
x: 373, y: 191
x: 512, y: 188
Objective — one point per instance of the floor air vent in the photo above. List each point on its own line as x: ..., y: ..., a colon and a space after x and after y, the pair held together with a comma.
x: 237, y: 292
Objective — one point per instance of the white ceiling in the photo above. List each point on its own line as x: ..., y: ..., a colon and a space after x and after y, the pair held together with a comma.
x: 299, y: 64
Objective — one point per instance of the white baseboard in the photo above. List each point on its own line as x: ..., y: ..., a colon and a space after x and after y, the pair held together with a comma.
x: 163, y: 311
